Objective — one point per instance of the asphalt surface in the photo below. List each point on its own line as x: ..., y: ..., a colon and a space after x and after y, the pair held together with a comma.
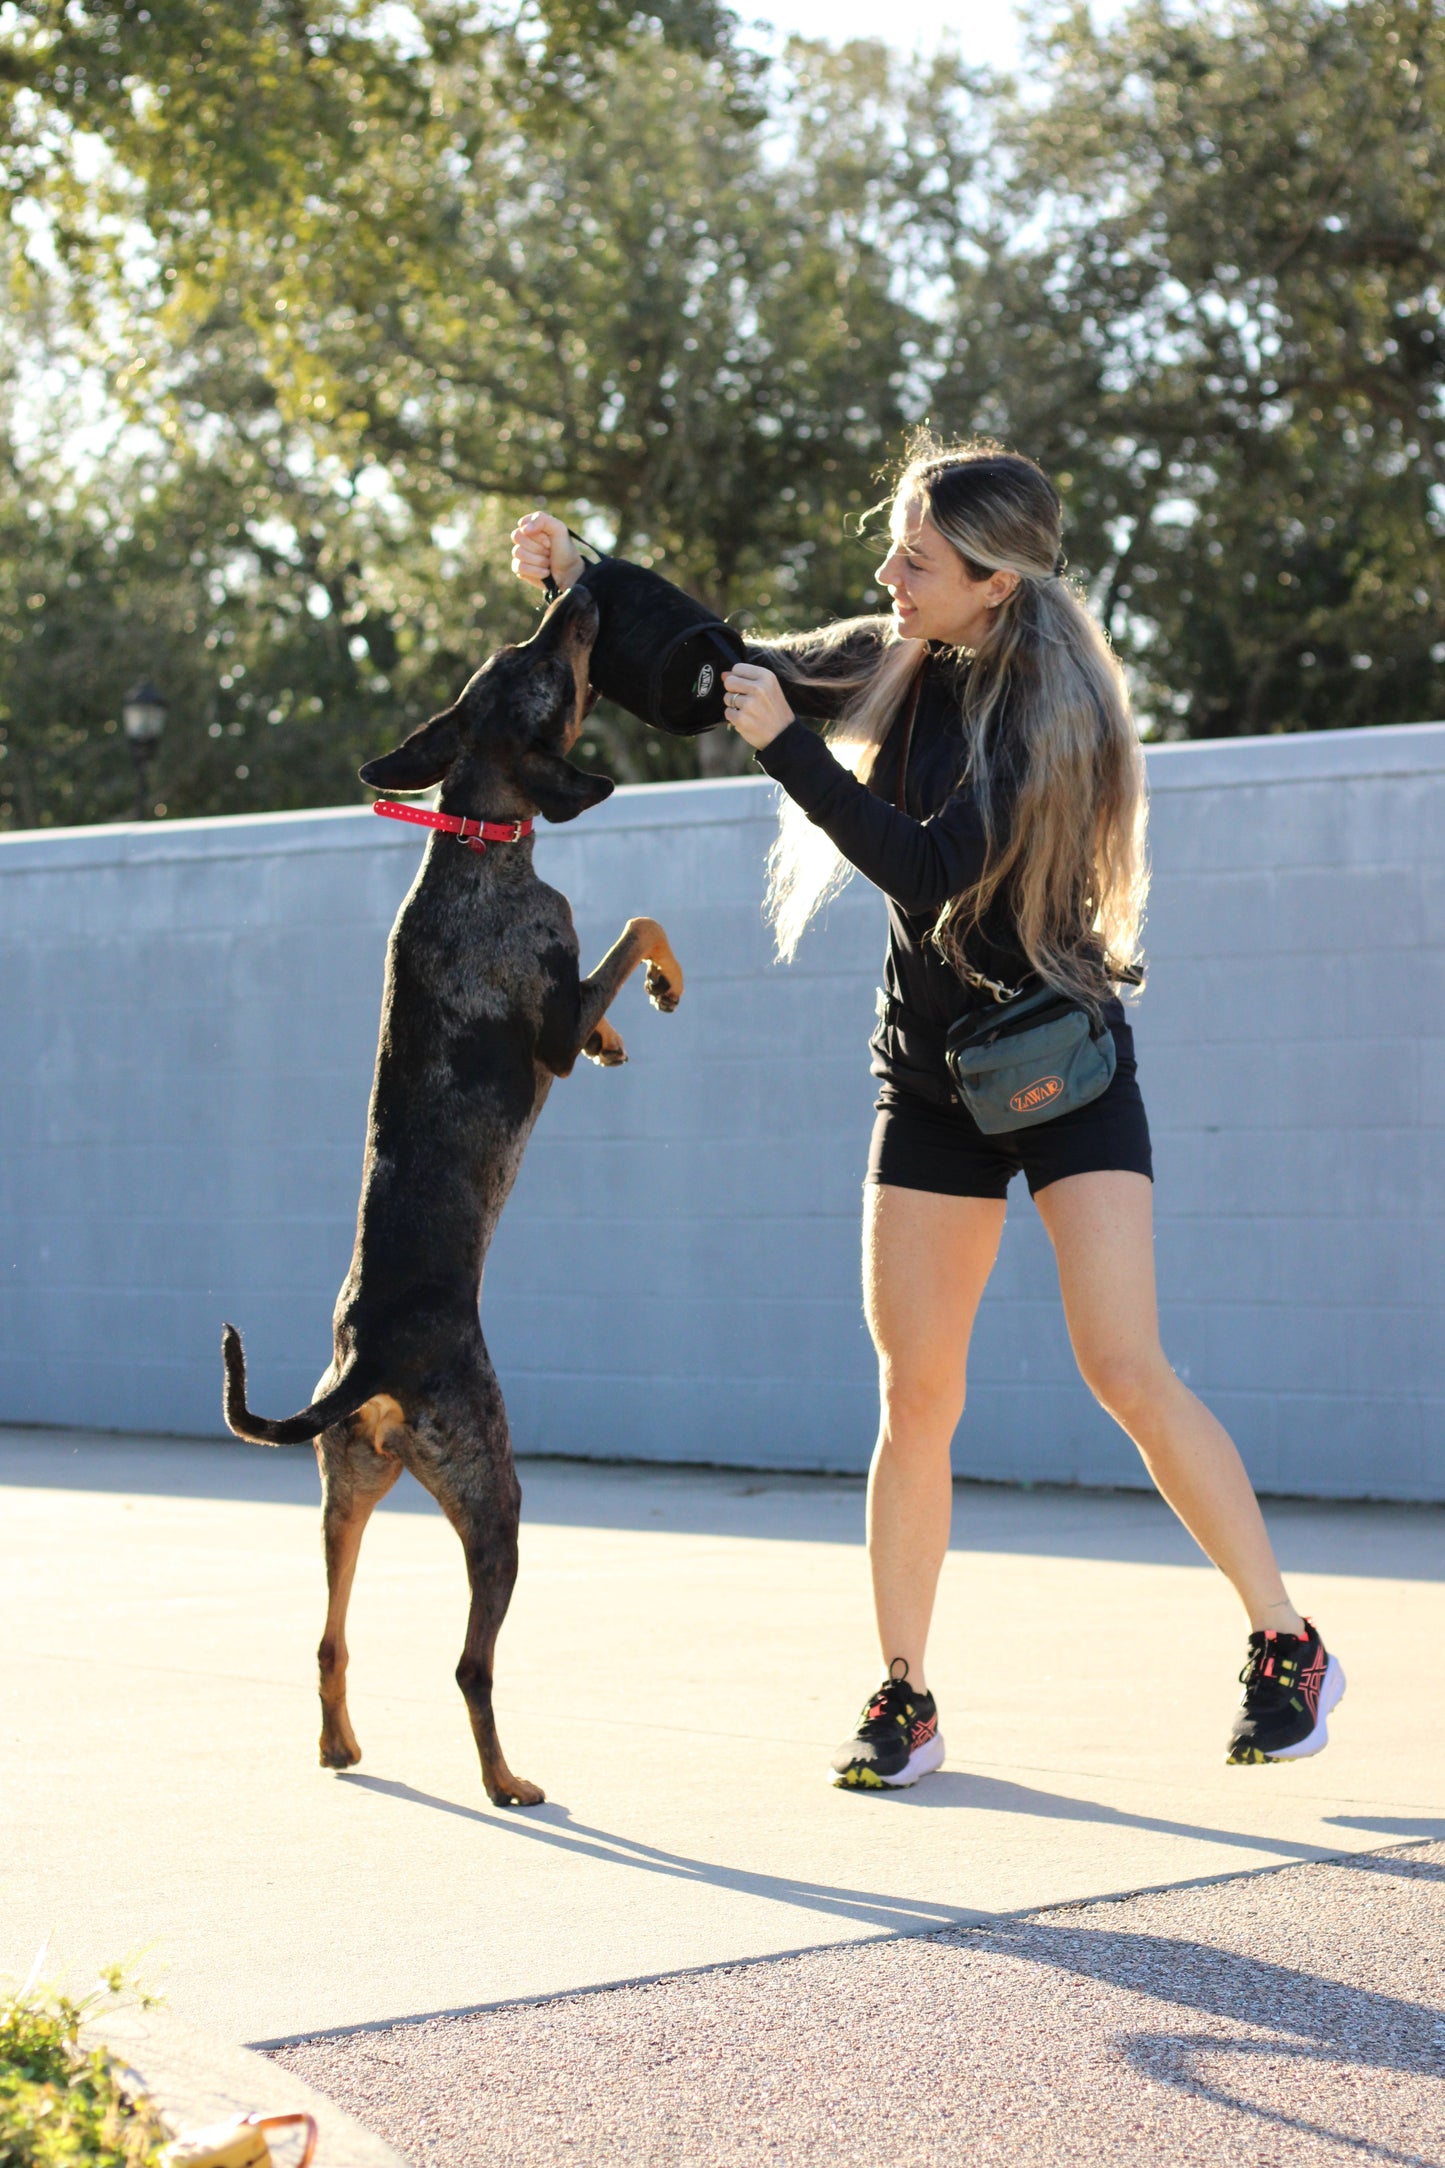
x: 1279, y: 2018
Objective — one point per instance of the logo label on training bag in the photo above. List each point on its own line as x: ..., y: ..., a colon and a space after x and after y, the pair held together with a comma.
x: 1034, y: 1096
x: 706, y: 677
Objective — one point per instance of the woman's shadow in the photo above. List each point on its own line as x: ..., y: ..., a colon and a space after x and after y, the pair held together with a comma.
x: 552, y: 1825
x: 1297, y: 2015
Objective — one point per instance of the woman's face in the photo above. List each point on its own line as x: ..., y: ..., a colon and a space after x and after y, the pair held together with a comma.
x: 933, y: 596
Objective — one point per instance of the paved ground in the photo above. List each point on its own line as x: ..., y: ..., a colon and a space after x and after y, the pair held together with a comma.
x: 1292, y: 2017
x: 684, y: 1651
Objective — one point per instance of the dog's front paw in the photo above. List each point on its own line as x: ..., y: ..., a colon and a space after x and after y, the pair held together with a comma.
x: 605, y: 1047
x: 664, y: 989
x: 516, y: 1792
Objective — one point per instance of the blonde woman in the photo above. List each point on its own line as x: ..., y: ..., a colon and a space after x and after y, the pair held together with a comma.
x: 982, y: 769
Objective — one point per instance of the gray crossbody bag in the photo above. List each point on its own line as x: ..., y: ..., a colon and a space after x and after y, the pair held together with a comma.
x: 1032, y: 1057
x: 1029, y: 1060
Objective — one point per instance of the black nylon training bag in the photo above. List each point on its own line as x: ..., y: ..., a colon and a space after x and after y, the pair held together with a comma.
x: 658, y: 653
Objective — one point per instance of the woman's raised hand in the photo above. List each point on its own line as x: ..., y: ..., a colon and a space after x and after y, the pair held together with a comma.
x: 755, y: 704
x: 541, y: 544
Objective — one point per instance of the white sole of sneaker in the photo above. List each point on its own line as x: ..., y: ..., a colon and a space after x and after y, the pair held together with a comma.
x: 920, y: 1763
x: 1331, y: 1691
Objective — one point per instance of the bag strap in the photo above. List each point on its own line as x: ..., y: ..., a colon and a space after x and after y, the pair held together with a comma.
x: 900, y: 795
x: 900, y: 799
x: 550, y: 589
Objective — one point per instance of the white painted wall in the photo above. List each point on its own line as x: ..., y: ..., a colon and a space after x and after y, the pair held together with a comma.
x: 187, y: 1020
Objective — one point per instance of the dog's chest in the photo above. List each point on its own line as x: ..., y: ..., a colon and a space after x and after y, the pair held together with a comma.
x: 487, y: 955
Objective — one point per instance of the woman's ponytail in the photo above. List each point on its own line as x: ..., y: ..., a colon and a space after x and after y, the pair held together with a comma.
x: 1061, y: 791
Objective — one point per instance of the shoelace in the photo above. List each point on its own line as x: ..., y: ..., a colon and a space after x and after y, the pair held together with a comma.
x: 1270, y: 1670
x: 888, y: 1707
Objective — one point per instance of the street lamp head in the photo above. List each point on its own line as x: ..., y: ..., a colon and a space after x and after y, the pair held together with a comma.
x: 144, y: 713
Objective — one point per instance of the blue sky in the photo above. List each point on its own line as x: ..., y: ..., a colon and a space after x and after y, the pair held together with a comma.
x: 987, y: 30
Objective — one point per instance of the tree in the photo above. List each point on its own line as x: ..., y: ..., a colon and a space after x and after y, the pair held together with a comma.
x: 1224, y: 330
x: 356, y: 286
x: 295, y: 629
x: 692, y: 345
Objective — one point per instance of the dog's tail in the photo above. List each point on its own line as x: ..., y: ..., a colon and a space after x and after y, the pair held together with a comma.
x: 354, y: 1387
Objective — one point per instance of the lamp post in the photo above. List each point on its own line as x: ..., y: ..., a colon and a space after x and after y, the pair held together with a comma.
x: 144, y: 715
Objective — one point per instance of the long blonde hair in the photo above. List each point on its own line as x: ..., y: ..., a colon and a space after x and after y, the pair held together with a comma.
x: 1051, y: 752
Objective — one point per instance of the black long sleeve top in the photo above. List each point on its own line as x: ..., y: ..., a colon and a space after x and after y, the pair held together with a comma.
x: 918, y: 857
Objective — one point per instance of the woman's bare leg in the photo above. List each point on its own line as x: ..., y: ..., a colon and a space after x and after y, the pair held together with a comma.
x: 1102, y: 1229
x: 926, y: 1262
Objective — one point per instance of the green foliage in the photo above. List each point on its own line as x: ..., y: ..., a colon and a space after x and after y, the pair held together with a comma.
x: 63, y: 2105
x: 354, y: 287
x: 1235, y: 350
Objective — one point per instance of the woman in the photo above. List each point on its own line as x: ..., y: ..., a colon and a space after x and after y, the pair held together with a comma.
x: 983, y: 770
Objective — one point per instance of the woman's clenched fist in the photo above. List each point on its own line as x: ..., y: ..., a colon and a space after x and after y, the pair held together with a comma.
x: 542, y: 545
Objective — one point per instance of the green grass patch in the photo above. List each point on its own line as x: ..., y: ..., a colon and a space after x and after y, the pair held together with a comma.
x: 63, y: 2105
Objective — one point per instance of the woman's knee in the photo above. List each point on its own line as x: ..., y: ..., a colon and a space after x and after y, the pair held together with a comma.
x: 1129, y: 1382
x: 920, y: 1405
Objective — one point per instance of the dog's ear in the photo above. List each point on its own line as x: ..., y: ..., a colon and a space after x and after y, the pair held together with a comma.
x: 560, y: 791
x: 420, y: 760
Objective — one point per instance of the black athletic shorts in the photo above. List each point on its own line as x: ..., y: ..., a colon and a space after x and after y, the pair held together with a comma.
x: 917, y: 1145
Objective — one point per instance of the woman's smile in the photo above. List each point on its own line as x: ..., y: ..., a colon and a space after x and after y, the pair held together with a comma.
x: 903, y: 604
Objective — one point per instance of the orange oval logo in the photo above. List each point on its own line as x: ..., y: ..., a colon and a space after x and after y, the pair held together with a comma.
x: 1036, y: 1095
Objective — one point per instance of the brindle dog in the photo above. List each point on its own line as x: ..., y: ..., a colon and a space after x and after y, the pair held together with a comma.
x: 483, y: 1006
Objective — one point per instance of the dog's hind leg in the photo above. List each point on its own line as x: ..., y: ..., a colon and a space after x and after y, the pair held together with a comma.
x: 491, y: 1554
x: 475, y: 1484
x: 356, y: 1471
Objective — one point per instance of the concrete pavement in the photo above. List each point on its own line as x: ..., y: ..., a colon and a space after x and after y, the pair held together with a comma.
x: 683, y: 1652
x: 1290, y: 2020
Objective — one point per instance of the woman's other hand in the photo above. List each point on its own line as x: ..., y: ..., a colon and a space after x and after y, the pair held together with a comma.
x: 755, y: 704
x: 541, y: 544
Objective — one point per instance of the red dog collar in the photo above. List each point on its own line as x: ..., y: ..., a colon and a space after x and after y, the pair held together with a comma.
x: 475, y: 834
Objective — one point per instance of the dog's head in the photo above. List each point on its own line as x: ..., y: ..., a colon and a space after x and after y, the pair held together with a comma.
x: 501, y: 747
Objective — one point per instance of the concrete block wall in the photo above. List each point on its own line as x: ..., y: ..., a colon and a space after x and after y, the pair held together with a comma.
x: 189, y: 1017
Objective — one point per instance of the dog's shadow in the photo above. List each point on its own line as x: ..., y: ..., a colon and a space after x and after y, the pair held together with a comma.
x: 552, y: 1824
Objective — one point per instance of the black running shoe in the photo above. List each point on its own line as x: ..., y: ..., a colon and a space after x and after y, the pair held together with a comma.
x: 1291, y: 1683
x: 897, y: 1740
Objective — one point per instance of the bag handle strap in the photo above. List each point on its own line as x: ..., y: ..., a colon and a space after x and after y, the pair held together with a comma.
x: 550, y: 589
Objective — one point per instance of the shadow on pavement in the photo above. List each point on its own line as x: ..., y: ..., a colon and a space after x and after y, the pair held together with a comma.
x: 1173, y: 2059
x: 1401, y: 1542
x: 1296, y: 2015
x: 1417, y: 1827
x: 962, y: 1788
x: 552, y: 1825
x: 217, y: 1468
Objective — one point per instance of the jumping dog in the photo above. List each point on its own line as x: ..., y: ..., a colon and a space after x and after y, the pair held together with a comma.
x: 483, y: 1006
